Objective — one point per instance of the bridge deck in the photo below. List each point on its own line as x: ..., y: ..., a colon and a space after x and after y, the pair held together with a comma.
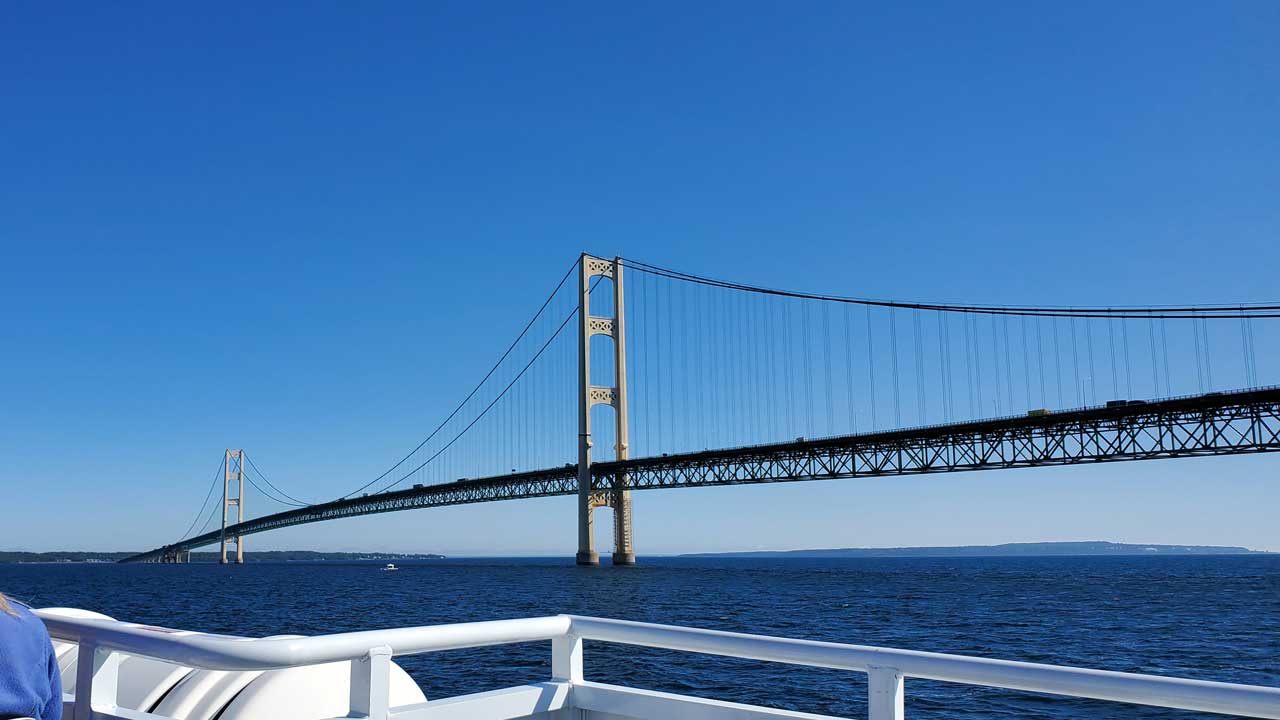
x: 1213, y: 424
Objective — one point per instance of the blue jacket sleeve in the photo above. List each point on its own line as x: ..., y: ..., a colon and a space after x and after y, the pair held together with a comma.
x: 53, y: 709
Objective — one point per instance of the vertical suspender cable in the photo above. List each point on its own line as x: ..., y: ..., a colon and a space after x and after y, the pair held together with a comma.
x: 743, y: 341
x: 951, y: 376
x: 977, y: 363
x: 1155, y: 362
x: 1195, y: 329
x: 463, y: 453
x: 647, y: 323
x: 734, y: 337
x: 1128, y: 371
x: 1075, y: 364
x: 828, y: 388
x: 1253, y: 357
x: 893, y: 344
x: 974, y: 411
x: 718, y: 368
x: 1244, y: 353
x: 733, y: 334
x: 1026, y: 363
x: 1208, y: 361
x: 749, y: 388
x: 686, y: 409
x: 663, y: 364
x: 1111, y: 344
x: 1164, y: 342
x: 568, y: 384
x: 995, y: 361
x: 726, y: 366
x: 692, y: 317
x: 1057, y: 362
x: 719, y: 355
x: 920, y: 379
x: 741, y: 367
x: 770, y: 348
x: 788, y: 360
x: 757, y: 365
x: 1093, y: 376
x: 505, y: 426
x: 538, y: 379
x: 848, y: 367
x: 871, y: 372
x: 1008, y: 364
x: 808, y: 368
x: 1044, y: 395
x: 944, y: 365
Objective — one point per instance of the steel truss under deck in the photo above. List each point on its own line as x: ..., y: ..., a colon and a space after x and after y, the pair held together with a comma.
x: 1213, y: 424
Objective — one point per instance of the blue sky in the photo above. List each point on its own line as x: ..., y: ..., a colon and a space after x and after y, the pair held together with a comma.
x: 302, y: 229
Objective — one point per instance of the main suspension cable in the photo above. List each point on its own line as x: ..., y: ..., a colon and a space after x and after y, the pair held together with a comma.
x: 573, y: 313
x: 1249, y: 310
x: 262, y: 476
x: 199, y: 513
x: 477, y: 387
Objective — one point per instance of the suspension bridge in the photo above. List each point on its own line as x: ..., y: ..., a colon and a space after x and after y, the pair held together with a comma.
x: 695, y: 381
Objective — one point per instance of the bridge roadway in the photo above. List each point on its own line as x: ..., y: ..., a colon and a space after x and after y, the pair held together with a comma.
x: 1246, y: 421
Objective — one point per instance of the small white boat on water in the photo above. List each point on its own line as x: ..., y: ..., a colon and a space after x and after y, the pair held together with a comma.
x: 390, y: 567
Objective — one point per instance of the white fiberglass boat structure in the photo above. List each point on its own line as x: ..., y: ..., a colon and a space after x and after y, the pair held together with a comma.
x: 126, y: 671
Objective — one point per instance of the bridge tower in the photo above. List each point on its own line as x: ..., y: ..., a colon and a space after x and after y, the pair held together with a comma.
x: 617, y: 497
x: 233, y: 471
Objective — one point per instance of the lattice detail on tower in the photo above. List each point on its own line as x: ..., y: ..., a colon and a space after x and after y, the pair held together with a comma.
x: 601, y: 326
x: 601, y: 395
x: 596, y: 266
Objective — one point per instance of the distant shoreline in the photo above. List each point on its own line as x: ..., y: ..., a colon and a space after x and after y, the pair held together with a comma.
x: 1033, y: 549
x: 83, y: 556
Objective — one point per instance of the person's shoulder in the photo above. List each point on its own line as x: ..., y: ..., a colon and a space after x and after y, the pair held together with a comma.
x: 20, y: 607
x: 23, y: 615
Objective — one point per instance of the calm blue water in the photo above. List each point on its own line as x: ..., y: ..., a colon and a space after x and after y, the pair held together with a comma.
x: 1214, y: 618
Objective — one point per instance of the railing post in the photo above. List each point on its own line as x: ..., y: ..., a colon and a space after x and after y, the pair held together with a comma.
x: 371, y: 684
x: 884, y: 694
x: 566, y: 658
x: 97, y: 672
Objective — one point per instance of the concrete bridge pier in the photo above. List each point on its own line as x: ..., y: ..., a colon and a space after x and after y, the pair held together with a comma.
x: 623, y: 551
x: 589, y: 498
x: 173, y: 555
x: 620, y: 503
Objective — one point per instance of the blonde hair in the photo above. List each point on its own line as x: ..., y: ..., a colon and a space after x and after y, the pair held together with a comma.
x: 5, y: 607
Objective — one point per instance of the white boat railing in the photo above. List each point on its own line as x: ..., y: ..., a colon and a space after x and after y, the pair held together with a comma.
x: 105, y: 641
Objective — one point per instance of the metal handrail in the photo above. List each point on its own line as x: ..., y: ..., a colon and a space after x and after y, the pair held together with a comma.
x: 886, y: 667
x: 1205, y: 696
x: 227, y: 652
